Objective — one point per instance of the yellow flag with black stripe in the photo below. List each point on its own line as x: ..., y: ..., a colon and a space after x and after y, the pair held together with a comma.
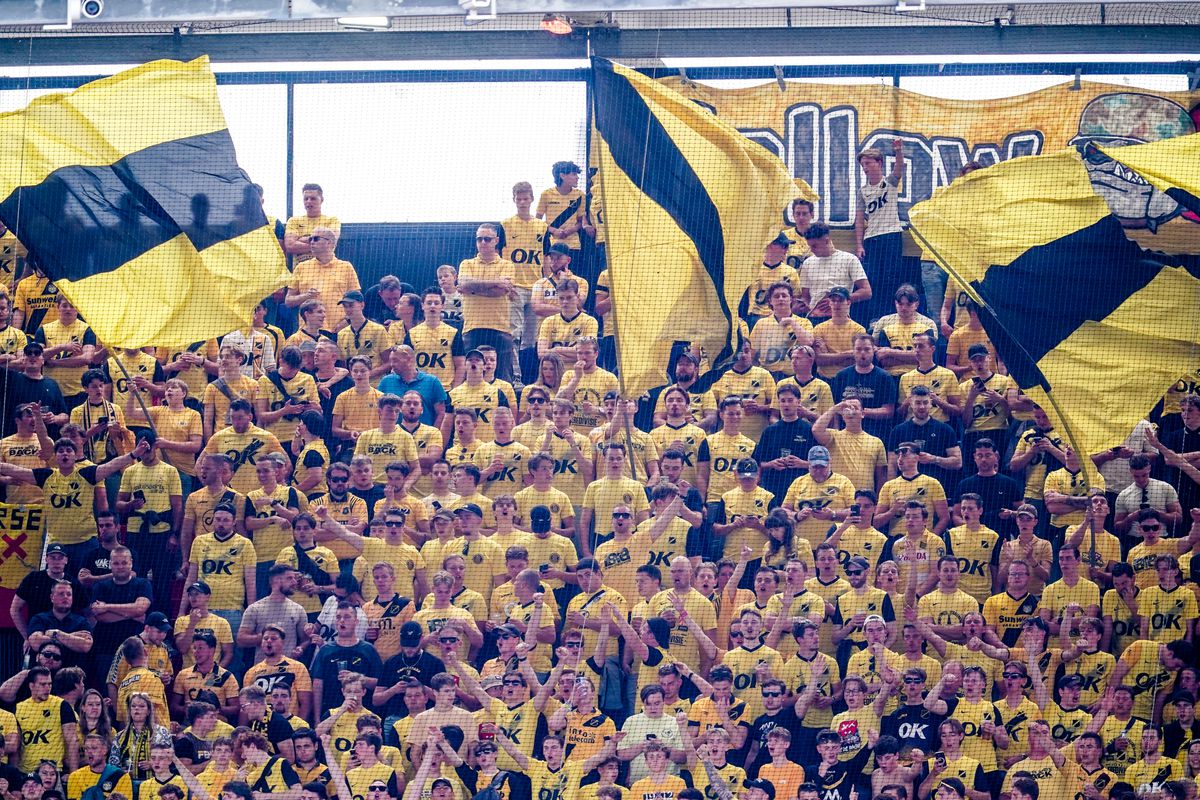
x: 128, y: 195
x: 1091, y: 327
x: 690, y: 204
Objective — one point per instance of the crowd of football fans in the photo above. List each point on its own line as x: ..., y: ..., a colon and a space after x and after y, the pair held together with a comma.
x: 414, y: 543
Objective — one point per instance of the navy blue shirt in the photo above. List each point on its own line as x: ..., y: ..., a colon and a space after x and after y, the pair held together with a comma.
x: 933, y: 437
x: 778, y: 440
x: 875, y: 389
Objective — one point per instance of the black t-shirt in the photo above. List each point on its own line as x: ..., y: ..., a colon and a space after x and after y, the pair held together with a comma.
x: 786, y: 719
x: 998, y: 491
x: 35, y: 588
x: 915, y: 726
x: 841, y: 777
x: 110, y: 635
x: 72, y: 623
x: 778, y: 440
x: 275, y: 727
x: 400, y: 667
x: 875, y: 389
x: 370, y: 497
x: 1182, y: 441
x: 332, y: 658
x: 98, y: 563
x: 934, y: 437
x: 29, y: 390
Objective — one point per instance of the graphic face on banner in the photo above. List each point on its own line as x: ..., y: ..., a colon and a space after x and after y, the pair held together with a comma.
x: 1125, y: 119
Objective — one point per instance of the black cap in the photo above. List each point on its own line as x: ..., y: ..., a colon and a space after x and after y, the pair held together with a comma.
x: 761, y: 783
x: 560, y: 248
x: 840, y: 291
x: 157, y: 619
x: 56, y: 550
x: 539, y: 519
x: 200, y: 586
x: 1183, y: 696
x: 473, y: 354
x: 352, y: 296
x: 469, y: 508
x: 1073, y: 681
x: 410, y: 634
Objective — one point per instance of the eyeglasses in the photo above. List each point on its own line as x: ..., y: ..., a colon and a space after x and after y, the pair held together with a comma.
x: 913, y: 679
x: 621, y: 515
x: 772, y: 694
x: 514, y: 683
x: 1012, y: 675
x: 485, y: 238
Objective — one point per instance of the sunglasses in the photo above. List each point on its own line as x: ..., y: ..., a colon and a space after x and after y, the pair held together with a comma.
x: 537, y: 400
x: 913, y: 680
x: 736, y: 636
x: 448, y: 639
x: 319, y: 239
x: 904, y: 451
x: 621, y: 515
x: 485, y: 238
x: 854, y: 572
x: 1012, y: 675
x: 339, y: 480
x: 55, y: 656
x: 1152, y: 527
x: 394, y: 524
x: 513, y: 683
x: 772, y: 694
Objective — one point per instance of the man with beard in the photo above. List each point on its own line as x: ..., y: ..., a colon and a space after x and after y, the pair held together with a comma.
x: 777, y: 713
x: 703, y: 406
x: 278, y: 609
x: 412, y: 662
x: 276, y: 669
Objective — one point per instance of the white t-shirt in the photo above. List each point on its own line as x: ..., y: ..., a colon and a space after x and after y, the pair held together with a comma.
x: 639, y: 728
x: 878, y: 203
x: 819, y: 274
x: 325, y: 621
x: 1116, y: 472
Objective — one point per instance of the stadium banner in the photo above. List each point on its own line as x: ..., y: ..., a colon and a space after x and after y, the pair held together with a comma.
x: 818, y: 129
x: 22, y: 539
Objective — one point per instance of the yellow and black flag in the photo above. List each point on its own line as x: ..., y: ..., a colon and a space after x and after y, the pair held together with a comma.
x: 1091, y: 326
x: 690, y: 204
x: 128, y: 195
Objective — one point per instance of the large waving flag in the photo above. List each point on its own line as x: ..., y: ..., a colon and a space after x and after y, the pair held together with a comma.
x: 128, y: 195
x: 1091, y: 326
x: 690, y: 204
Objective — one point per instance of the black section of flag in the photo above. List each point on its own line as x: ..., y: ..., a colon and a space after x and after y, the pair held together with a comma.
x: 1185, y: 199
x: 1047, y: 293
x: 645, y: 152
x: 86, y: 220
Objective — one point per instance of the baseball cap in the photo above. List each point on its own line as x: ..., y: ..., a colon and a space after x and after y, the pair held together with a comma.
x: 1075, y: 681
x: 977, y: 350
x: 747, y: 466
x: 858, y: 562
x: 913, y: 446
x: 818, y: 455
x: 157, y: 619
x: 491, y: 682
x: 508, y: 629
x: 469, y: 508
x: 352, y: 296
x: 762, y: 784
x: 473, y: 354
x: 1028, y: 510
x: 410, y: 634
x: 561, y: 249
x: 56, y: 550
x: 200, y: 586
x: 443, y: 513
x: 1183, y: 696
x: 308, y: 346
x: 840, y: 291
x: 690, y: 356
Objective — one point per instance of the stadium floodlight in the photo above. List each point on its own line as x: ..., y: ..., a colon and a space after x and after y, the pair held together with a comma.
x: 477, y: 10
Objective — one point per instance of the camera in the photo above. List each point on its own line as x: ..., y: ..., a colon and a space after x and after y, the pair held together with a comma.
x: 855, y: 510
x: 90, y: 9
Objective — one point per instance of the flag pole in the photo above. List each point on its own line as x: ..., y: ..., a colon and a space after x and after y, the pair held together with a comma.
x: 136, y: 393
